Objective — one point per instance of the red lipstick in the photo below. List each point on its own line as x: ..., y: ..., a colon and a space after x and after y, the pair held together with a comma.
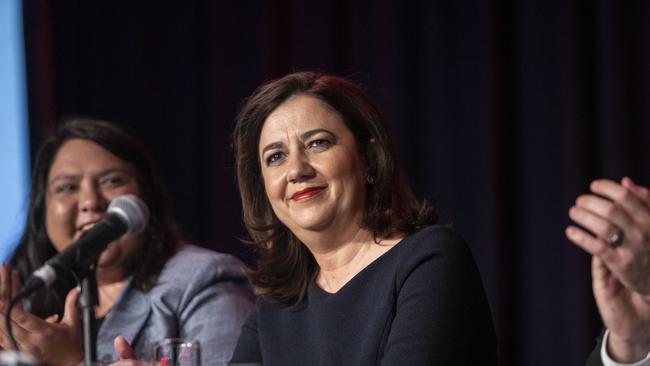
x: 306, y: 193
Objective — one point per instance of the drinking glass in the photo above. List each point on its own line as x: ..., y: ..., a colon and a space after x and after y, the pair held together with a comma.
x: 177, y: 352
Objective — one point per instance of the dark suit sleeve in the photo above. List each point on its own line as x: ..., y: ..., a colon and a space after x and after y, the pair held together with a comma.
x: 442, y: 316
x: 594, y: 357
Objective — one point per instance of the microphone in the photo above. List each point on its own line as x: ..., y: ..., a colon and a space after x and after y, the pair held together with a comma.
x: 125, y: 214
x: 11, y: 358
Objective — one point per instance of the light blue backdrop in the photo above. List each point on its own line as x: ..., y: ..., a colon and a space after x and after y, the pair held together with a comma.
x: 14, y: 151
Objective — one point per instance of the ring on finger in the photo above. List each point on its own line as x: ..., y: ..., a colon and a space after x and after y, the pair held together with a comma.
x: 616, y: 239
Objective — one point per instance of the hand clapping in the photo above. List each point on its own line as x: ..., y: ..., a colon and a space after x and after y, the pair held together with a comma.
x: 51, y: 342
x: 614, y: 228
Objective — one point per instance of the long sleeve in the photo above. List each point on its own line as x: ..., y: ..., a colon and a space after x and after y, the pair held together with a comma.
x: 600, y: 357
x: 201, y: 295
x: 442, y: 316
x: 214, y: 313
x: 594, y: 356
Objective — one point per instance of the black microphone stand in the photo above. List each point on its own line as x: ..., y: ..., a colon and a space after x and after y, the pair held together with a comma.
x: 88, y: 300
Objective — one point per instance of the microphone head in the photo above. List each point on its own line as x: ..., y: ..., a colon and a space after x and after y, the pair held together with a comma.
x: 132, y: 210
x: 13, y: 358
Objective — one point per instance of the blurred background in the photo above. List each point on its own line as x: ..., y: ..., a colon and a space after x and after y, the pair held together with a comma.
x: 502, y: 111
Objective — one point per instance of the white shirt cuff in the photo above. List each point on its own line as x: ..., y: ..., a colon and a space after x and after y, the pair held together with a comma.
x: 607, y: 361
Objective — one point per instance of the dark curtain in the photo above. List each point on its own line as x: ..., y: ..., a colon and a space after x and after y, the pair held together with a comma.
x: 502, y: 112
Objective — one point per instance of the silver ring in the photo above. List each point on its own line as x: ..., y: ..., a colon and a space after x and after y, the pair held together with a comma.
x: 616, y: 239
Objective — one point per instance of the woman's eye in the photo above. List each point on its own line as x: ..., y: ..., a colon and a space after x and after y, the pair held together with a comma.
x: 274, y: 158
x: 65, y: 188
x: 113, y: 181
x: 319, y: 144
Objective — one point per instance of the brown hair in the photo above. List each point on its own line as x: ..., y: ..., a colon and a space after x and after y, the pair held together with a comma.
x: 285, y: 266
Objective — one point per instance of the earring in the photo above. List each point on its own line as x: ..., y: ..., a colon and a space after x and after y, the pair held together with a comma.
x: 370, y: 179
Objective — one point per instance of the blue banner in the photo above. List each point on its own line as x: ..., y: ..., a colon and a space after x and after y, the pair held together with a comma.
x: 14, y: 149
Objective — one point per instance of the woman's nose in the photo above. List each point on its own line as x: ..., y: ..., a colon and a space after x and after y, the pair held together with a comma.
x: 92, y: 200
x: 299, y: 168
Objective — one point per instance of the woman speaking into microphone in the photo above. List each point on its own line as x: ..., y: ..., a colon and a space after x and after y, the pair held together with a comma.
x: 151, y: 286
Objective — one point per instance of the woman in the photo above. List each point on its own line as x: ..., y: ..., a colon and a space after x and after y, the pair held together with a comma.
x: 151, y: 286
x: 350, y: 270
x: 613, y: 225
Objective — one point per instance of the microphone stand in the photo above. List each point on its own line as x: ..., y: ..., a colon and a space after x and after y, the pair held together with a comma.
x: 88, y: 300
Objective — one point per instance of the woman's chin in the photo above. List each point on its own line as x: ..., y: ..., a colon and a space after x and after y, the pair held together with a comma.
x: 109, y: 271
x: 314, y: 223
x: 110, y: 258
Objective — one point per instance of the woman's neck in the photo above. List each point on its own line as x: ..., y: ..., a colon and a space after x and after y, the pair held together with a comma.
x: 341, y: 261
x: 109, y: 288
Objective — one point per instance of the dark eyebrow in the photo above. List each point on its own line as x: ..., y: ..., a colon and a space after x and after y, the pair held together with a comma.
x: 110, y: 171
x: 303, y: 137
x: 66, y: 177
x: 273, y: 145
x: 311, y: 133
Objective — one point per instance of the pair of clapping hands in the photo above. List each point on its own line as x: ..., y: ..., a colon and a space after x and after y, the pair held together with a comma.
x: 614, y: 227
x: 50, y: 340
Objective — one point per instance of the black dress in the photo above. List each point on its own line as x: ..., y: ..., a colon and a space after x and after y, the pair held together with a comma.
x: 420, y: 303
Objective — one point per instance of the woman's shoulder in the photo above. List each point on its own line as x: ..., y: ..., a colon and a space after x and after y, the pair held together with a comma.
x: 434, y: 239
x: 193, y: 255
x: 193, y: 263
x: 438, y: 247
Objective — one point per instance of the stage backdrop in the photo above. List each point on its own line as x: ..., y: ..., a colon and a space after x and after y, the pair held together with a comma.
x: 502, y: 111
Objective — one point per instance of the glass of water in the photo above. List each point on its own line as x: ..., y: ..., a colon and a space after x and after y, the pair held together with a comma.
x: 177, y: 352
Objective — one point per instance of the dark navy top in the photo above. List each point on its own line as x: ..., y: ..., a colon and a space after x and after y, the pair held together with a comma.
x: 420, y: 303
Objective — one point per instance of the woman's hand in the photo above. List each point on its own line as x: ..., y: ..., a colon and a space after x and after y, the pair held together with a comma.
x: 126, y: 355
x: 51, y: 342
x: 617, y: 222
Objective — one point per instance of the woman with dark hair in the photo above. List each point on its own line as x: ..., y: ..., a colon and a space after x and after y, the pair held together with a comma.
x: 151, y: 285
x: 351, y: 268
